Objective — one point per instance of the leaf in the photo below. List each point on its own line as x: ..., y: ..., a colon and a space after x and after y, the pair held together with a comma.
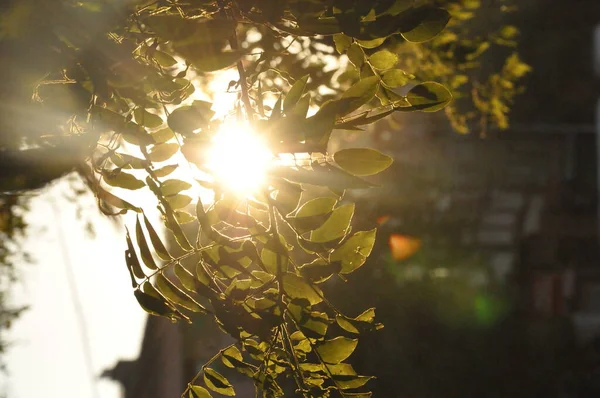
x: 207, y: 59
x: 301, y: 108
x: 371, y: 43
x: 186, y: 119
x: 144, y: 249
x: 383, y: 59
x: 336, y: 350
x: 179, y: 201
x: 402, y: 246
x: 162, y: 135
x: 122, y: 160
x: 199, y: 392
x: 154, y: 305
x: 295, y: 93
x: 174, y: 186
x: 164, y: 59
x: 342, y: 42
x: 147, y: 119
x: 115, y: 201
x: 162, y: 152
x: 360, y: 93
x: 362, y: 323
x: 166, y: 170
x: 352, y: 382
x: 176, y: 295
x: 431, y: 22
x: 362, y: 161
x: 123, y: 180
x: 312, y: 214
x: 218, y: 383
x: 183, y: 217
x: 315, y: 207
x: 336, y: 226
x: 354, y: 251
x: 159, y: 247
x: 319, y: 270
x: 356, y: 55
x: 321, y: 175
x: 231, y: 352
x: 131, y: 259
x: 296, y: 287
x: 341, y: 369
x: 185, y: 277
x: 429, y: 97
x: 395, y: 78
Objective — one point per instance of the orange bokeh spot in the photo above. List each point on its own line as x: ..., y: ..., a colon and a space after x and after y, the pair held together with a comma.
x: 382, y: 219
x: 403, y: 246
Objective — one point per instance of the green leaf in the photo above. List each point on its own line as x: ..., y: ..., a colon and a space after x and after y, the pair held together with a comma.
x: 218, y: 383
x: 429, y: 97
x: 162, y: 152
x: 313, y: 324
x: 342, y: 42
x: 174, y: 186
x: 199, y: 392
x: 431, y: 22
x: 352, y: 382
x: 363, y: 322
x: 341, y: 369
x: 296, y: 287
x: 207, y: 59
x: 356, y: 55
x: 123, y: 180
x: 336, y: 226
x: 162, y: 135
x: 144, y: 249
x: 395, y: 78
x: 295, y: 93
x: 154, y: 305
x: 301, y: 108
x: 321, y: 175
x: 166, y: 170
x: 183, y: 217
x: 315, y: 207
x: 275, y: 254
x: 312, y: 214
x: 354, y: 251
x: 115, y: 201
x: 176, y: 295
x: 159, y: 247
x: 362, y: 161
x: 231, y: 352
x: 371, y: 43
x: 147, y: 119
x: 319, y: 270
x: 179, y: 201
x: 131, y: 259
x: 186, y: 119
x: 360, y: 93
x: 185, y: 277
x: 164, y: 59
x: 383, y: 59
x: 336, y: 350
x: 127, y: 161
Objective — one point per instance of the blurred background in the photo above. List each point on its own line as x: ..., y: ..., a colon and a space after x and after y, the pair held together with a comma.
x: 486, y: 270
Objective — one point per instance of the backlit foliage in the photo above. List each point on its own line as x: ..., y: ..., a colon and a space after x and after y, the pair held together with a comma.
x: 118, y: 80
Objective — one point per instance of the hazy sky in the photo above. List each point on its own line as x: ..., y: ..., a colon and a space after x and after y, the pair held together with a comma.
x: 47, y: 359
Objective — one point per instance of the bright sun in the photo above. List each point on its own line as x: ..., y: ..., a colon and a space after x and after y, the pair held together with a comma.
x: 238, y: 158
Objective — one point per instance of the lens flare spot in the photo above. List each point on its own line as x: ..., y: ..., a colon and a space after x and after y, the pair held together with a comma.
x: 239, y: 159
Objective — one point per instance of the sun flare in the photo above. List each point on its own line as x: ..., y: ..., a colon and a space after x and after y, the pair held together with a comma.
x: 238, y: 158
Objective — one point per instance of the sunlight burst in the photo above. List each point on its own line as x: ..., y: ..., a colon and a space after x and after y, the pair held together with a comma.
x: 238, y: 158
